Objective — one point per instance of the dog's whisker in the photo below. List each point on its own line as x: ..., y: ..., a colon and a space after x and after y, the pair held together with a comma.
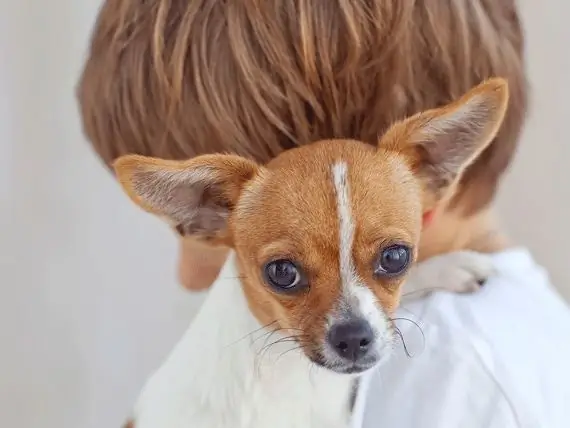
x: 263, y: 327
x: 300, y: 339
x: 294, y: 338
x: 270, y: 334
x: 410, y: 321
x: 267, y: 335
x: 401, y: 334
x: 289, y: 350
x: 404, y: 344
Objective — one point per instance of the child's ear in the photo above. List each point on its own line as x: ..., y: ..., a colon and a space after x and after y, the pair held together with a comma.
x: 196, y: 196
x: 441, y: 143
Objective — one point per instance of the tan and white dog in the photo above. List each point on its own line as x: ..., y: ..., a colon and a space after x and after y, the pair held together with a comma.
x: 323, y: 238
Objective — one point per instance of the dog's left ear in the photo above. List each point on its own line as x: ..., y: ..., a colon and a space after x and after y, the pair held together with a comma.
x: 195, y: 196
x: 440, y: 144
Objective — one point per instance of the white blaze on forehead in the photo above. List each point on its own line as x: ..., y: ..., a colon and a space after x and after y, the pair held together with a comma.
x: 357, y: 299
x: 346, y: 225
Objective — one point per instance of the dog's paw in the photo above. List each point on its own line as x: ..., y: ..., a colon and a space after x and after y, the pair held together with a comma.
x: 458, y: 272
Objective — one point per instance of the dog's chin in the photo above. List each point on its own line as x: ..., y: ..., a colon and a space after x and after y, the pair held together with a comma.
x: 346, y: 367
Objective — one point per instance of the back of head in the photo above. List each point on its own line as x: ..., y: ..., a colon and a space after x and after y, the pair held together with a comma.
x: 178, y: 78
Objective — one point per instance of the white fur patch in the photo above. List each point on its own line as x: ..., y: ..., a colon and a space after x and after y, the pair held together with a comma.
x: 357, y: 300
x: 346, y: 225
x: 227, y: 372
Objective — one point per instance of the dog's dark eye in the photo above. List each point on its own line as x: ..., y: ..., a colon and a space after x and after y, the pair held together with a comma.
x: 284, y: 275
x: 393, y: 260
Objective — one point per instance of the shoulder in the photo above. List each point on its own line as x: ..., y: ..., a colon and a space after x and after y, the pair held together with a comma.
x: 493, y: 358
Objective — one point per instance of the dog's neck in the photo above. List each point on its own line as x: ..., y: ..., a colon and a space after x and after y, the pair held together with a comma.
x: 229, y: 371
x: 452, y: 231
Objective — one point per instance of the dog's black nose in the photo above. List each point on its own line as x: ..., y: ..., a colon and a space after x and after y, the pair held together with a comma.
x: 351, y: 340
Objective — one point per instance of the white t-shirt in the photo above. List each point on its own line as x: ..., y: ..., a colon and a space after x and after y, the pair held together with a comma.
x: 498, y: 358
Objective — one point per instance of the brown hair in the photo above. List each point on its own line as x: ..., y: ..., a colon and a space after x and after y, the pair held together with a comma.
x: 177, y: 78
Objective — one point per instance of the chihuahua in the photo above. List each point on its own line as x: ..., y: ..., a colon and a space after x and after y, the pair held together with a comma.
x: 323, y: 236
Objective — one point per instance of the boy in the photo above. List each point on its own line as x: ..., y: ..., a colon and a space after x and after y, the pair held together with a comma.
x: 177, y: 78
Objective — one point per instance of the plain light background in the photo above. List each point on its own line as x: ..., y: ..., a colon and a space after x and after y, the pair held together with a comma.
x: 89, y: 301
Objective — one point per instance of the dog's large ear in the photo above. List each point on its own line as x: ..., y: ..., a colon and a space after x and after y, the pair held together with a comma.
x: 195, y: 196
x: 440, y: 144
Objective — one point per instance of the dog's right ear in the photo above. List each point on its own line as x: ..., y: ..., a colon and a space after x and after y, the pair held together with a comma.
x: 196, y: 196
x: 439, y: 144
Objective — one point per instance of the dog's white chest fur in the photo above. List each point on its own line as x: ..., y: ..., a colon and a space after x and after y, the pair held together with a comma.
x: 226, y: 372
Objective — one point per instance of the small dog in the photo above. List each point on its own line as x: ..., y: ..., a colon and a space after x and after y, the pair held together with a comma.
x: 323, y: 238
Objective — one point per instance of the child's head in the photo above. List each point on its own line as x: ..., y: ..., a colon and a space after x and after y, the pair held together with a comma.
x: 178, y: 78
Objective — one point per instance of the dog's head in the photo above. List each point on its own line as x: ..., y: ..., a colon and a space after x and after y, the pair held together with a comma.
x: 324, y: 234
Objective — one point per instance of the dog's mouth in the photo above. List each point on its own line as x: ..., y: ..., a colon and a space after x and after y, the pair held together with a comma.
x: 345, y: 367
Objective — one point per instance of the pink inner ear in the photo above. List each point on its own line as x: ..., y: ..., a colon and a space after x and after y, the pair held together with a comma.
x: 427, y: 218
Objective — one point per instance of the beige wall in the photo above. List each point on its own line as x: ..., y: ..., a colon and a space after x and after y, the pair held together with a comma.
x: 535, y: 200
x: 89, y: 301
